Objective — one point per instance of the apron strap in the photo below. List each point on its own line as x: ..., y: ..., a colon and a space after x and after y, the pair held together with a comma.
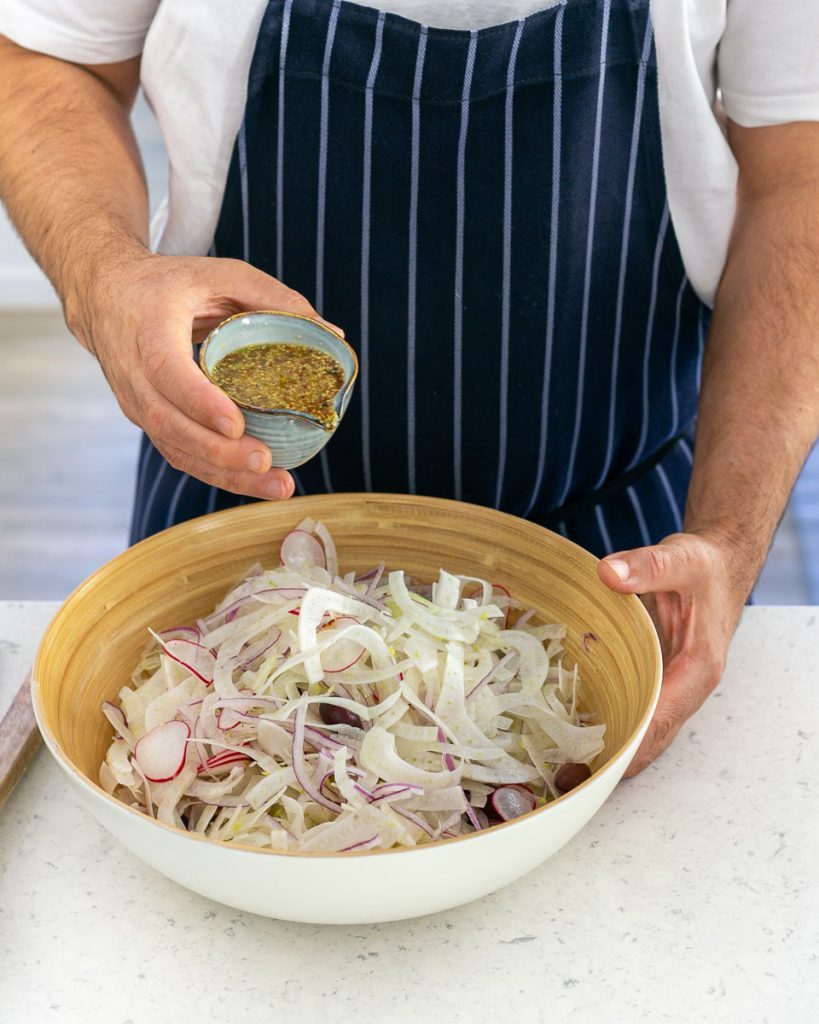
x: 588, y: 502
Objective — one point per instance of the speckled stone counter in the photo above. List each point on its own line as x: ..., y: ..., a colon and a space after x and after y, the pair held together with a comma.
x: 692, y: 896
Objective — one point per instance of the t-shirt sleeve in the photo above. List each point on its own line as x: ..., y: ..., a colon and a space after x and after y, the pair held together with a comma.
x: 768, y: 61
x: 83, y: 31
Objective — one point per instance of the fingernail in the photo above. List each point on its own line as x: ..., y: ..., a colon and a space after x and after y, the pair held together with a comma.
x: 226, y: 426
x: 276, y: 489
x: 257, y: 462
x: 620, y: 568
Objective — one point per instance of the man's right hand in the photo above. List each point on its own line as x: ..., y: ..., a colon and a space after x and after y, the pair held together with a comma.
x: 139, y: 316
x: 85, y: 220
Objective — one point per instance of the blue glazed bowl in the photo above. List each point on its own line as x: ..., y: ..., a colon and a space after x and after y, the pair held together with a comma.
x: 292, y: 436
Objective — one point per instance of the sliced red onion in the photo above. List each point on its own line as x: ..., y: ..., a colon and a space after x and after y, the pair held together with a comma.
x: 376, y: 577
x: 270, y: 595
x: 181, y: 633
x: 482, y: 818
x: 300, y: 549
x: 315, y: 737
x: 453, y: 819
x: 260, y: 648
x: 449, y: 760
x: 323, y: 781
x: 149, y: 803
x: 490, y: 675
x: 473, y: 818
x: 587, y: 639
x: 346, y: 588
x: 299, y: 767
x: 403, y: 786
x: 395, y: 791
x: 365, y: 577
x: 365, y: 844
x: 116, y: 716
x: 161, y: 752
x: 414, y: 819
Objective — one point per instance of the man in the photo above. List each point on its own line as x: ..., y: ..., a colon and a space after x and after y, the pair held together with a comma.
x: 522, y: 225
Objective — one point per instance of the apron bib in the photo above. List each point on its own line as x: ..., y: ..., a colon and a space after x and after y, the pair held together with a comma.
x: 485, y: 214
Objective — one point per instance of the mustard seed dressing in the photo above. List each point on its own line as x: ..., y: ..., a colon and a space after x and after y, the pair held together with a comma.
x: 282, y: 376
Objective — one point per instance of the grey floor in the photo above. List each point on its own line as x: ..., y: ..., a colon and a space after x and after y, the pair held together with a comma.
x: 67, y: 458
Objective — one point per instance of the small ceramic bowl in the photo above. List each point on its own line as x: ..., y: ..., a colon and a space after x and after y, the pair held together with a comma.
x: 292, y: 436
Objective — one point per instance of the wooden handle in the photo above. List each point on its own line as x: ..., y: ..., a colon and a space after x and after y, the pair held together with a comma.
x: 19, y: 739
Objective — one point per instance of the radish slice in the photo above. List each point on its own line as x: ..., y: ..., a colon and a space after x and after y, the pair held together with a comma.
x: 222, y: 760
x: 300, y: 549
x: 161, y: 752
x: 198, y: 660
x: 511, y: 801
x: 504, y: 603
x: 228, y: 718
x: 344, y: 653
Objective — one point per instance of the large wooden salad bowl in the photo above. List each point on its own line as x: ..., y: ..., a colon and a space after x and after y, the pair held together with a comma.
x: 96, y: 638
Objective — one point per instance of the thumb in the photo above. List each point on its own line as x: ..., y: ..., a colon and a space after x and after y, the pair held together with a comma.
x: 252, y: 288
x: 661, y: 567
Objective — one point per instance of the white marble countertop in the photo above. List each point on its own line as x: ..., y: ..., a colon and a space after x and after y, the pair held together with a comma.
x: 693, y: 895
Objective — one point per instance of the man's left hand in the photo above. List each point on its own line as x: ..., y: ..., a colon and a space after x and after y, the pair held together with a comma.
x: 694, y: 586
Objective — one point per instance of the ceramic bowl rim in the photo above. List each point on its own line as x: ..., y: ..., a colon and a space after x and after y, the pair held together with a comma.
x: 98, y: 792
x: 264, y: 410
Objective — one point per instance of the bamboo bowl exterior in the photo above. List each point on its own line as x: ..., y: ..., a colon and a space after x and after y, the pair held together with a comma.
x: 96, y: 638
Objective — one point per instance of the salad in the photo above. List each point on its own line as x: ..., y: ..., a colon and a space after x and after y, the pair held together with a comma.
x: 325, y: 713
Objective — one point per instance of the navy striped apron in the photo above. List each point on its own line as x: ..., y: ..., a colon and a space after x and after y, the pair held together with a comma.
x: 485, y: 214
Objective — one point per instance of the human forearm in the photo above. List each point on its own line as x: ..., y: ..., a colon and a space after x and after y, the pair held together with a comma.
x: 72, y: 179
x: 758, y: 416
x: 70, y: 171
x: 759, y: 408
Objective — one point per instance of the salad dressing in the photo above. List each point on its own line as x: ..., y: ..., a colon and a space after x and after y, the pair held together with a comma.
x: 282, y: 376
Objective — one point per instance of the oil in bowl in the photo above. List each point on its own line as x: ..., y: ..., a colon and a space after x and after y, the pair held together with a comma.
x: 283, y: 376
x: 291, y: 376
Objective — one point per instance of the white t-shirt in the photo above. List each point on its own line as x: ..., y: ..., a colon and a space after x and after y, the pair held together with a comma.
x: 763, y: 56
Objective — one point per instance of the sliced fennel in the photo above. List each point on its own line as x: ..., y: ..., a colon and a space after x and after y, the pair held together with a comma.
x: 317, y: 713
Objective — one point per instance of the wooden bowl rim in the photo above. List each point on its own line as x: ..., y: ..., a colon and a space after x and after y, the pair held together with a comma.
x: 259, y: 509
